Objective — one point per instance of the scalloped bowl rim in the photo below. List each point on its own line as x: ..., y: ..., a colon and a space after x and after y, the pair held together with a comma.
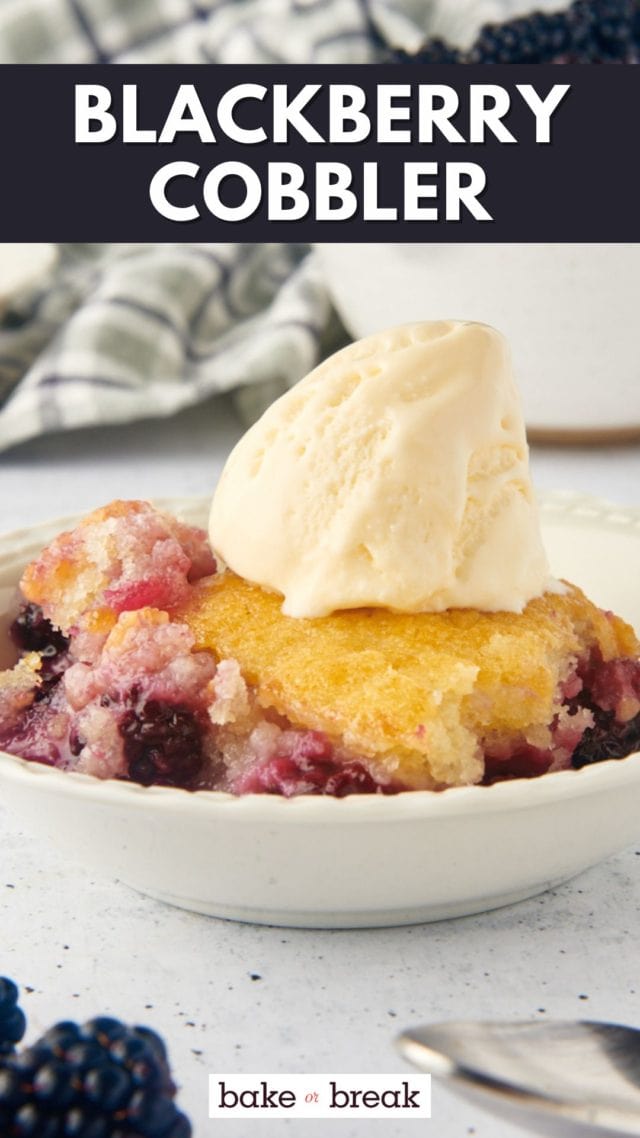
x: 510, y: 795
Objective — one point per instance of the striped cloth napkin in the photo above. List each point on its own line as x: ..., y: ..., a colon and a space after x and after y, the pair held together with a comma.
x: 132, y: 331
x: 129, y: 331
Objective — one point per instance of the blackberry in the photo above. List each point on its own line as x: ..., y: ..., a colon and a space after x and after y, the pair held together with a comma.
x: 545, y: 35
x: 351, y: 778
x: 291, y: 774
x: 607, y: 739
x: 12, y: 1017
x: 78, y: 1124
x: 100, y: 1080
x: 28, y: 1122
x: 51, y: 1084
x: 32, y: 632
x: 108, y: 1087
x: 613, y: 26
x: 536, y: 39
x: 150, y: 1113
x: 181, y: 1128
x: 162, y: 744
x: 589, y: 31
x: 105, y: 1030
x: 434, y: 51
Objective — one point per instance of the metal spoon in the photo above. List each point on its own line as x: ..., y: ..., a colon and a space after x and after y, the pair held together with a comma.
x: 556, y: 1077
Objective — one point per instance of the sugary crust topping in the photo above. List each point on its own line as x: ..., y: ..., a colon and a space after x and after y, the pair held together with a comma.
x: 18, y: 686
x: 230, y: 704
x: 147, y: 652
x: 416, y: 692
x: 124, y: 556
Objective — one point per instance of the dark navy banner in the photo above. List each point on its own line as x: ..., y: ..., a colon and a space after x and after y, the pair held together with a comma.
x: 326, y: 153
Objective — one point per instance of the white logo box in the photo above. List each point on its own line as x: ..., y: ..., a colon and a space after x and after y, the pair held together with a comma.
x: 319, y: 1096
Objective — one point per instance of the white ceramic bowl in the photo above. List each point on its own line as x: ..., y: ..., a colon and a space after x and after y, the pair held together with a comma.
x: 552, y: 302
x: 363, y: 860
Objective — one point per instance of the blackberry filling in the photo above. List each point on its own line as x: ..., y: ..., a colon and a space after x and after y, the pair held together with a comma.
x: 163, y: 744
x: 608, y: 739
x: 525, y: 761
x: 589, y: 31
x: 605, y: 687
x: 288, y: 776
x: 31, y: 735
x: 608, y: 687
x: 32, y: 632
x: 306, y: 764
x: 164, y: 697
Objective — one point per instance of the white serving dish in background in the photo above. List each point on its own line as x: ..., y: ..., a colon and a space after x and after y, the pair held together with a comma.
x: 570, y: 313
x: 364, y: 860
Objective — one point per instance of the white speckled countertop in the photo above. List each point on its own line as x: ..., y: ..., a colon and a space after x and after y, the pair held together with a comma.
x: 236, y: 997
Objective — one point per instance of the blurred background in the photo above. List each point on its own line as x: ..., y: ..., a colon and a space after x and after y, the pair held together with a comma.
x: 241, y: 31
x: 92, y: 335
x: 132, y: 368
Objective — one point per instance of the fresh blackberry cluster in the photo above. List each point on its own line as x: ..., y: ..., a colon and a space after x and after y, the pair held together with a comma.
x: 99, y: 1080
x: 12, y: 1018
x: 589, y: 31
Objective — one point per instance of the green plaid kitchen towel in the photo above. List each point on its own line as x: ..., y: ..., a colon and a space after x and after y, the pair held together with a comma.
x: 234, y: 31
x: 129, y: 331
x: 132, y: 331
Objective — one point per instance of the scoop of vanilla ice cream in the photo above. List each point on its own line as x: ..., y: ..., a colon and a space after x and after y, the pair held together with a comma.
x: 395, y: 475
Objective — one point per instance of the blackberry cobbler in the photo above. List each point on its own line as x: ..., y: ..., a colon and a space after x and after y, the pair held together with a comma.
x: 141, y: 659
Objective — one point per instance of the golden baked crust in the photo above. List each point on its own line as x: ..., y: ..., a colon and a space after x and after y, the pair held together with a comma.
x: 416, y: 694
x: 68, y: 575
